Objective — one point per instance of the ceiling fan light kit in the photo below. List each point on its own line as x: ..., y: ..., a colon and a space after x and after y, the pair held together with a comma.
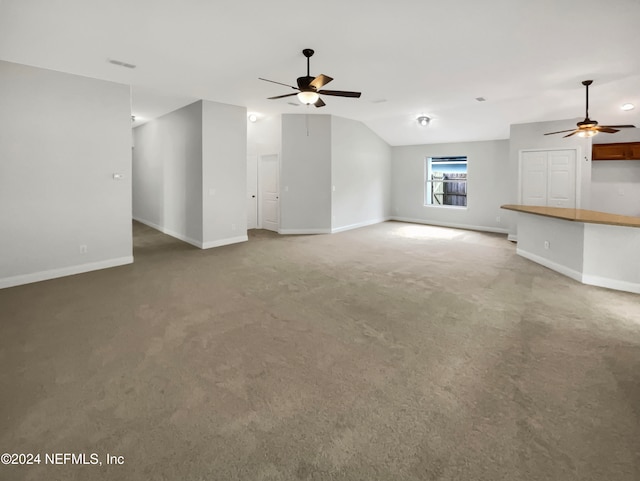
x: 587, y: 133
x: 309, y: 88
x: 423, y: 120
x: 589, y: 128
x: 308, y: 97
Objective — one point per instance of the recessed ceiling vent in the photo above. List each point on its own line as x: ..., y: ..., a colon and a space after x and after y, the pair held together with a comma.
x: 120, y: 63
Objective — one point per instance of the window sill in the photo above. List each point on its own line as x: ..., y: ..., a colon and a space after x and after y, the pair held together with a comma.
x: 455, y: 207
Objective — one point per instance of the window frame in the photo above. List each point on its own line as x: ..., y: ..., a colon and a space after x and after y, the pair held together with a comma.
x: 429, y: 182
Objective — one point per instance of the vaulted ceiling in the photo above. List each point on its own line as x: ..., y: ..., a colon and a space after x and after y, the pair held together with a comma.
x: 408, y: 57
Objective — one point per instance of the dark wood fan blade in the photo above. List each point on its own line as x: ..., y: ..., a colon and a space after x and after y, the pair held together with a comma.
x: 619, y: 126
x: 320, y: 81
x: 572, y: 133
x: 281, y: 96
x: 279, y: 83
x: 319, y: 103
x: 560, y: 132
x: 340, y: 93
x: 607, y: 129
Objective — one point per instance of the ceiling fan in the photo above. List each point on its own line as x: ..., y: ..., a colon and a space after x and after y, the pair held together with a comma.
x: 309, y: 87
x: 588, y: 127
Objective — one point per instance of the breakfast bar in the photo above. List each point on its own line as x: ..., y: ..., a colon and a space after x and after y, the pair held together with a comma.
x: 591, y: 247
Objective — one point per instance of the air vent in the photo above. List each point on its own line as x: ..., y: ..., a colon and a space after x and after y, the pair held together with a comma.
x: 120, y: 63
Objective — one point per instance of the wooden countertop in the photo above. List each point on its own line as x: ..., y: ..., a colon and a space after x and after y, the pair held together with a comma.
x: 576, y: 215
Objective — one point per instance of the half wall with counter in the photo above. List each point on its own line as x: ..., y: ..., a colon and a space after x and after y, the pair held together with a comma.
x: 591, y: 247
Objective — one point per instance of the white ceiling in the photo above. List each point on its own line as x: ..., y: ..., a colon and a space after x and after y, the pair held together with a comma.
x: 432, y: 57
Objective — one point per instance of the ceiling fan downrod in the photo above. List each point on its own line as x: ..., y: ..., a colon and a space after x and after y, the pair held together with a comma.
x: 586, y: 83
x: 307, y: 52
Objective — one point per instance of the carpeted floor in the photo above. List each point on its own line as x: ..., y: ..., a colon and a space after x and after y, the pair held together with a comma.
x: 392, y: 352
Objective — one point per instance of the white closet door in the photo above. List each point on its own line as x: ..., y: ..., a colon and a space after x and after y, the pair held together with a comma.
x: 548, y: 177
x: 561, y: 188
x: 534, y: 178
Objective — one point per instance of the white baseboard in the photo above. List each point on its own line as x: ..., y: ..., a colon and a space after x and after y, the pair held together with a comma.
x: 303, y: 231
x: 194, y: 242
x: 554, y: 266
x: 616, y: 284
x: 497, y: 230
x: 512, y: 237
x: 224, y: 242
x: 170, y: 232
x: 360, y: 224
x: 63, y: 271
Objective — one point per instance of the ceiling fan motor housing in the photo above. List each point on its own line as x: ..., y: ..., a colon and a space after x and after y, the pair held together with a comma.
x: 304, y: 83
x: 587, y: 124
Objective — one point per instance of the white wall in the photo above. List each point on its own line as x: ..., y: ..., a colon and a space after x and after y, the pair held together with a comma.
x: 167, y: 173
x: 360, y: 175
x: 264, y: 135
x: 615, y: 185
x: 488, y: 185
x: 224, y: 174
x: 62, y: 137
x: 305, y: 174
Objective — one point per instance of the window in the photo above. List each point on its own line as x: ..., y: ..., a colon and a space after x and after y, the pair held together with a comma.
x: 445, y: 181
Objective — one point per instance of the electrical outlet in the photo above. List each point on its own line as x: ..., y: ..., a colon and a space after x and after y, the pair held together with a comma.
x: 83, y: 249
x: 233, y: 227
x: 497, y: 218
x: 546, y: 244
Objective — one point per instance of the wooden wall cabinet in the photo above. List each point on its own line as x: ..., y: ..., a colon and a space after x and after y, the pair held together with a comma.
x: 619, y: 151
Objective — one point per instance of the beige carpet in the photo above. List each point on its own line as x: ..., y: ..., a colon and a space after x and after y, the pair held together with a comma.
x: 392, y: 352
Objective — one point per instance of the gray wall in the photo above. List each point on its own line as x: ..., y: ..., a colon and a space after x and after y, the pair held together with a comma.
x: 224, y: 173
x: 305, y: 174
x: 360, y: 172
x: 487, y: 185
x: 615, y: 185
x: 62, y: 137
x: 190, y: 174
x: 167, y: 173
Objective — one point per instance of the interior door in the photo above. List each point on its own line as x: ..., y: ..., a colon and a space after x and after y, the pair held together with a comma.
x: 269, y: 189
x: 534, y: 178
x: 548, y: 177
x: 561, y: 176
x: 252, y: 192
